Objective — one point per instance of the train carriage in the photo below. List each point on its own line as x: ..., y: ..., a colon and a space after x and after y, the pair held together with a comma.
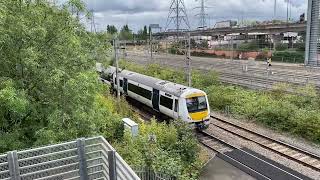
x: 173, y: 100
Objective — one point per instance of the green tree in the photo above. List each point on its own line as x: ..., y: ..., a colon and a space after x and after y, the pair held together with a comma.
x: 145, y: 33
x: 126, y: 33
x: 111, y: 29
x: 46, y: 64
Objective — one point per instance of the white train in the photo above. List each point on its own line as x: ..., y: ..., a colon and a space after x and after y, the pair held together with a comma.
x: 173, y: 100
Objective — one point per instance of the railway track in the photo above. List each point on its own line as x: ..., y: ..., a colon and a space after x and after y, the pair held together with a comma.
x: 296, y: 154
x: 247, y: 161
x: 233, y: 154
x: 214, y: 143
x: 255, y: 77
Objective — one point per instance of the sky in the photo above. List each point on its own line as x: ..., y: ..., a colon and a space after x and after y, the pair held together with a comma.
x: 137, y: 13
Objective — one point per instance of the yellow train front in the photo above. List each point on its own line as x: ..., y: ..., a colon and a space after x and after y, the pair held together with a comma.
x: 173, y: 100
x: 195, y: 108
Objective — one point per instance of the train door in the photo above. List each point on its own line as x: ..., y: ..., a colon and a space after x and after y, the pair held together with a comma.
x: 155, y: 99
x: 125, y: 86
x: 176, y: 109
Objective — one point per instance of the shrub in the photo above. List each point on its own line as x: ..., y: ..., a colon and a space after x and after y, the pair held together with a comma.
x: 249, y: 104
x: 173, y: 50
x: 220, y: 97
x: 249, y: 46
x: 277, y: 114
x: 174, y: 150
x: 288, y: 56
x: 306, y: 124
x: 202, y: 81
x: 300, y: 46
x: 281, y: 47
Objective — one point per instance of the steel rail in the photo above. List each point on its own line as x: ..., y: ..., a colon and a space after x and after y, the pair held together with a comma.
x: 286, y: 145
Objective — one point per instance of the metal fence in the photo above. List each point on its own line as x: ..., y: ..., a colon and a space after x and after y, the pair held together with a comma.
x: 149, y: 174
x: 313, y: 34
x: 83, y: 159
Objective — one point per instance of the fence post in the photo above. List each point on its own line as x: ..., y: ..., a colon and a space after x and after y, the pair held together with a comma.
x: 112, y: 165
x: 13, y: 165
x: 82, y: 159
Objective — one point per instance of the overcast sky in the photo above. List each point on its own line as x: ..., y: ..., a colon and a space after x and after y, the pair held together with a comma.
x: 137, y: 13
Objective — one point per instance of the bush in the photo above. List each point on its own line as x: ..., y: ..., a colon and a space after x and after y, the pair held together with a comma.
x: 248, y: 46
x: 173, y: 152
x: 220, y: 97
x: 288, y: 56
x: 202, y: 81
x: 300, y: 46
x: 281, y: 47
x: 173, y: 50
x: 306, y: 124
x: 277, y: 114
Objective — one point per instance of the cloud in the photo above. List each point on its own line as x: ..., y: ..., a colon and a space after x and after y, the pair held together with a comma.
x: 137, y: 13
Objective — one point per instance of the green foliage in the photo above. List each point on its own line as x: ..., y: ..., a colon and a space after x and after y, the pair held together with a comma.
x: 157, y: 71
x: 14, y: 110
x: 84, y: 113
x: 296, y: 113
x: 111, y: 29
x: 300, y: 46
x: 173, y: 50
x: 174, y: 151
x: 202, y: 81
x: 288, y: 56
x: 48, y: 88
x: 125, y: 33
x: 307, y: 124
x: 249, y: 46
x: 143, y: 34
x: 281, y: 47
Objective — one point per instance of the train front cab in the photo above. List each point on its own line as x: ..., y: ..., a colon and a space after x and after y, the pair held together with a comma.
x: 198, y: 109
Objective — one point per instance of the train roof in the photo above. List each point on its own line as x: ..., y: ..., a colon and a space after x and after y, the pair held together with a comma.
x: 162, y: 85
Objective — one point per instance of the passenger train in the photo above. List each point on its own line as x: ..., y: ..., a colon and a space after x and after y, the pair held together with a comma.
x: 173, y: 100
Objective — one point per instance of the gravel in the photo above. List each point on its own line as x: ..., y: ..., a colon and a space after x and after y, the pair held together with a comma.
x: 284, y: 137
x: 267, y: 153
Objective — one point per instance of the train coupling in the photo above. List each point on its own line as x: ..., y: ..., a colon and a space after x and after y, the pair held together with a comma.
x: 203, y: 124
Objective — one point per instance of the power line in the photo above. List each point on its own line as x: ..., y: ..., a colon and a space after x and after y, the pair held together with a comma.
x: 202, y: 15
x: 93, y: 24
x: 178, y: 17
x: 275, y: 10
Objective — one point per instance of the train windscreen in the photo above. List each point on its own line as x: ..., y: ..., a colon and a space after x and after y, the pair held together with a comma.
x: 197, y: 104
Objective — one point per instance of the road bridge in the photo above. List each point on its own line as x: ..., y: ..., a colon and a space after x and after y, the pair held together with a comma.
x: 269, y: 29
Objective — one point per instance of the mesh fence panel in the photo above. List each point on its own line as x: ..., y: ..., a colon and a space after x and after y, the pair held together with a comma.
x: 4, y: 167
x: 81, y: 159
x: 313, y: 33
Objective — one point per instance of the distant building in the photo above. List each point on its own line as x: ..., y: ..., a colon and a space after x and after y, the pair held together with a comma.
x: 225, y: 24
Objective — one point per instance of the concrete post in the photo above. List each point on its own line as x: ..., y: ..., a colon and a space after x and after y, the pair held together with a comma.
x: 112, y: 165
x: 13, y: 165
x: 82, y: 159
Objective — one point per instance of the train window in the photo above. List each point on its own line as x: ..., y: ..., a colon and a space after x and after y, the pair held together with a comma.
x: 166, y: 102
x: 176, y: 102
x: 140, y: 91
x: 106, y: 77
x: 197, y: 104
